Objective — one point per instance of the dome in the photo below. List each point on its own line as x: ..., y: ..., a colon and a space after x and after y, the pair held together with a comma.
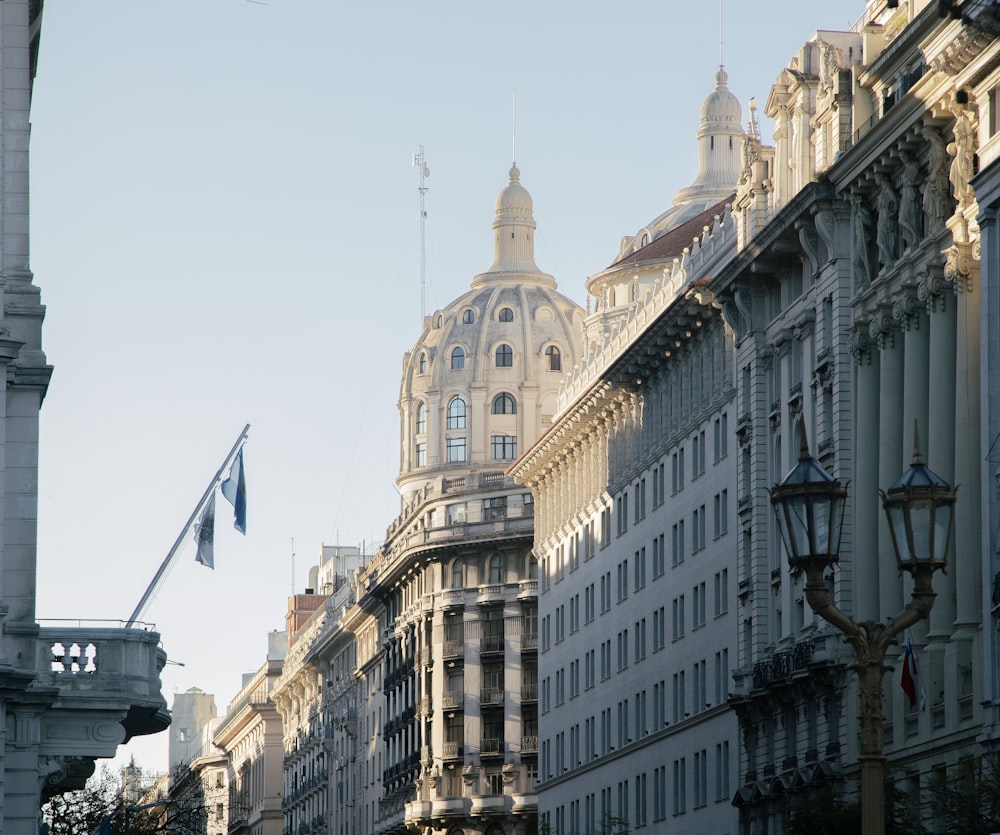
x: 480, y: 384
x: 721, y: 105
x: 514, y: 197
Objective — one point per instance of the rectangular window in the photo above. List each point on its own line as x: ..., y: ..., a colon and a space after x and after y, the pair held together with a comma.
x: 721, y: 592
x: 640, y: 568
x: 622, y: 580
x: 589, y: 539
x: 698, y: 606
x: 421, y: 455
x: 605, y: 592
x: 680, y: 787
x: 640, y: 640
x: 622, y: 513
x: 659, y: 793
x: 678, y: 618
x: 659, y: 559
x: 456, y: 450
x: 659, y: 628
x: 721, y: 527
x: 698, y: 529
x: 680, y: 708
x: 658, y: 484
x: 677, y: 543
x: 722, y: 771
x: 721, y: 437
x: 606, y: 660
x: 588, y: 670
x: 588, y: 603
x: 504, y: 447
x: 722, y: 676
x: 605, y: 528
x: 495, y: 508
x: 700, y: 778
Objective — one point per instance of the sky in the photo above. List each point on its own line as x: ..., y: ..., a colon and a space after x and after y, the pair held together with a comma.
x: 225, y: 230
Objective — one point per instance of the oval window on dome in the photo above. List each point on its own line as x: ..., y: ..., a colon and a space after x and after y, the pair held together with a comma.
x: 506, y: 315
x: 504, y: 404
x: 458, y: 359
x: 505, y: 356
x: 468, y: 317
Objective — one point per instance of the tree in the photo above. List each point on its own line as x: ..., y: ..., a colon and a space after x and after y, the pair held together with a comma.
x: 82, y: 812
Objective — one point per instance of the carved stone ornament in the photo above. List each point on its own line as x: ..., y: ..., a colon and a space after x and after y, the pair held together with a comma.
x: 860, y: 344
x: 962, y: 149
x: 509, y: 773
x: 880, y: 326
x: 959, y: 265
x: 910, y: 219
x: 887, y: 231
x: 809, y: 241
x: 470, y: 774
x: 936, y: 190
x: 826, y: 227
x: 905, y: 308
x: 861, y: 224
x: 930, y: 289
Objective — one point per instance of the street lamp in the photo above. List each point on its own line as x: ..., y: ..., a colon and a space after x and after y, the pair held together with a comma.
x: 809, y: 507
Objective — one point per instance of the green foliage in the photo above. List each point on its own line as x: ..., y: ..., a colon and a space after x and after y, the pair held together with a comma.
x: 82, y: 812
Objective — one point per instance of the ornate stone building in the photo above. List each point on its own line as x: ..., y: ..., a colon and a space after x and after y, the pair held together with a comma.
x: 857, y: 311
x: 634, y: 515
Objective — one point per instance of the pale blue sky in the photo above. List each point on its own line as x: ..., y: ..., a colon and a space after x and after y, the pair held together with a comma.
x: 225, y: 230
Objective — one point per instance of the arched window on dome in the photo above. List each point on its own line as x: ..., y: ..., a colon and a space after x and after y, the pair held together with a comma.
x: 504, y: 404
x: 458, y: 359
x: 440, y: 321
x: 506, y: 314
x: 469, y: 316
x: 645, y: 239
x: 505, y: 356
x: 422, y: 364
x: 421, y: 424
x: 456, y: 413
x: 555, y: 358
x: 496, y: 569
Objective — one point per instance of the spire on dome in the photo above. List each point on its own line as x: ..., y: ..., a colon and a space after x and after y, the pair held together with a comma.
x: 720, y: 143
x: 514, y: 235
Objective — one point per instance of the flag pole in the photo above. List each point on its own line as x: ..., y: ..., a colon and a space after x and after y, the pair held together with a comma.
x: 146, y: 595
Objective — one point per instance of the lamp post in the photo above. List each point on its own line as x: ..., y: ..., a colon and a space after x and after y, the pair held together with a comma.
x: 809, y: 507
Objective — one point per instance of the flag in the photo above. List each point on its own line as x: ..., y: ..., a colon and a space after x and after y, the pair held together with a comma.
x: 909, y: 680
x: 204, y: 534
x: 234, y: 489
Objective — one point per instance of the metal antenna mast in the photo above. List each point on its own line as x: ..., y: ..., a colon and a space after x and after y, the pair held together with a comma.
x: 424, y: 172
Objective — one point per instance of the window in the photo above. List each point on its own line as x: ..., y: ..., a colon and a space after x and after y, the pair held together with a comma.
x: 504, y: 404
x: 422, y: 364
x: 659, y: 628
x: 421, y: 455
x: 622, y: 513
x: 698, y: 455
x: 721, y: 592
x: 504, y: 447
x: 680, y: 786
x: 495, y: 508
x: 640, y: 568
x: 421, y: 418
x: 698, y: 606
x: 468, y: 317
x: 456, y: 450
x: 698, y: 529
x: 555, y: 358
x: 456, y: 415
x: 721, y: 513
x: 456, y: 514
x: 678, y: 617
x: 505, y: 356
x: 677, y: 470
x: 505, y: 315
x: 677, y: 543
x: 496, y: 569
x: 700, y: 778
x: 659, y: 472
x: 457, y: 359
x: 722, y: 676
x: 659, y: 558
x: 721, y: 436
x: 722, y: 771
x: 457, y: 574
x: 640, y: 500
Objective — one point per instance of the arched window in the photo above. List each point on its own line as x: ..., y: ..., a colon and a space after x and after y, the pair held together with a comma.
x: 440, y: 321
x: 496, y: 569
x: 421, y: 418
x: 532, y: 568
x: 422, y: 365
x: 458, y: 359
x: 505, y: 356
x: 645, y: 239
x: 468, y: 317
x: 506, y: 315
x: 456, y: 413
x: 457, y: 575
x: 504, y: 404
x: 555, y: 358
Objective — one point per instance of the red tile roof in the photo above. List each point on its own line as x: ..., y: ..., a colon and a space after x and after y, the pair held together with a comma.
x: 671, y: 244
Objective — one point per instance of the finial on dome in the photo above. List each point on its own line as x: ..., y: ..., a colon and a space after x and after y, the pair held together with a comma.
x: 721, y: 77
x: 515, y: 174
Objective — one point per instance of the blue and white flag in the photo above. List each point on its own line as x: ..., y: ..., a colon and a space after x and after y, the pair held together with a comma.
x: 204, y: 534
x: 234, y: 489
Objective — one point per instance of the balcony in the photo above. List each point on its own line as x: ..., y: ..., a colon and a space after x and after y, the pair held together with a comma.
x: 491, y: 696
x: 491, y: 644
x: 491, y: 748
x: 105, y: 675
x: 452, y: 649
x: 529, y: 693
x: 451, y: 750
x: 529, y: 744
x: 527, y: 589
x: 491, y: 593
x: 782, y: 666
x: 453, y: 700
x: 529, y: 642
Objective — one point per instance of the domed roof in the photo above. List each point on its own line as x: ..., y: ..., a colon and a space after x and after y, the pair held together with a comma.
x: 512, y: 336
x: 514, y: 197
x: 721, y: 105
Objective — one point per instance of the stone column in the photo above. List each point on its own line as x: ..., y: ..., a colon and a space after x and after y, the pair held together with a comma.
x: 963, y: 270
x: 865, y: 530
